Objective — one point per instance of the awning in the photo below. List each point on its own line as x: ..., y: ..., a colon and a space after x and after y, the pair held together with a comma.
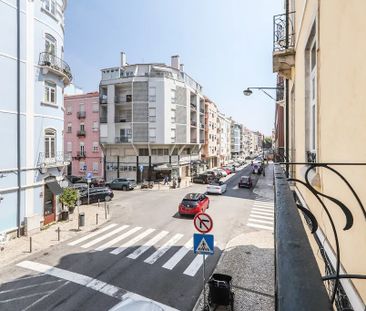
x: 54, y: 187
x: 165, y: 167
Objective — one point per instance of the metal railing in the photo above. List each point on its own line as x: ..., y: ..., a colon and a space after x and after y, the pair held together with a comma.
x: 332, y: 275
x: 81, y: 133
x: 283, y: 32
x: 81, y: 154
x: 123, y: 139
x: 122, y: 119
x: 103, y: 120
x: 51, y: 159
x: 56, y: 63
x: 81, y: 114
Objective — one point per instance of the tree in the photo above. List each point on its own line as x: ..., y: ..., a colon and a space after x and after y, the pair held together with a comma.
x: 69, y: 198
x: 267, y: 142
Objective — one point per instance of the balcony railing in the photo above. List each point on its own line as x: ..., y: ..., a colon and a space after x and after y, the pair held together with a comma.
x: 193, y: 123
x: 81, y: 114
x: 56, y: 159
x: 103, y: 119
x: 299, y: 283
x: 81, y: 154
x: 122, y: 119
x: 123, y: 99
x: 81, y: 133
x: 283, y: 37
x: 103, y: 99
x: 56, y: 64
x: 123, y: 139
x: 193, y: 106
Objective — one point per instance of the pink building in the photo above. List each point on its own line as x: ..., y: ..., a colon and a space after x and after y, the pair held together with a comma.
x: 81, y: 134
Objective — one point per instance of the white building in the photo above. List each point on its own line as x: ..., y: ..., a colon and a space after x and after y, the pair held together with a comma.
x: 151, y: 120
x: 235, y: 139
x: 31, y: 112
x: 224, y: 138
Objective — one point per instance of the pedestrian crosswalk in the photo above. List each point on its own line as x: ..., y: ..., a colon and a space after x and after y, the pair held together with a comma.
x: 118, y: 239
x: 262, y: 215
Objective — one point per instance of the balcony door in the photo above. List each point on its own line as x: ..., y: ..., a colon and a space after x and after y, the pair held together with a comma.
x: 50, y: 145
x: 49, y: 204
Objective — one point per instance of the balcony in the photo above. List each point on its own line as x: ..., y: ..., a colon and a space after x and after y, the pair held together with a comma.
x: 81, y: 114
x: 122, y: 119
x: 81, y: 133
x: 123, y: 139
x: 122, y: 99
x: 284, y: 44
x: 103, y: 119
x: 202, y: 110
x: 103, y: 99
x: 193, y: 123
x: 80, y: 155
x: 193, y: 107
x: 47, y: 160
x: 56, y: 65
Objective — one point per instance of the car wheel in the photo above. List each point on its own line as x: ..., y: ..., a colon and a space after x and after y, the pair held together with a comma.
x: 124, y: 188
x: 107, y: 198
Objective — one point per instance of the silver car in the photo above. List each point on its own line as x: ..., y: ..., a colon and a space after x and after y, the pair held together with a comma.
x: 217, y: 187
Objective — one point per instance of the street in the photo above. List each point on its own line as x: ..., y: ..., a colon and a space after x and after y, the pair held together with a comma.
x: 145, y: 249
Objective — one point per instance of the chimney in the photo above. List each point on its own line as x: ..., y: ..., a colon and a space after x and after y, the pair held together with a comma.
x: 182, y: 67
x: 175, y: 61
x: 123, y: 59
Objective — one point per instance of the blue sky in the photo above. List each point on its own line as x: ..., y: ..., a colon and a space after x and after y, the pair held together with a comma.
x: 225, y: 45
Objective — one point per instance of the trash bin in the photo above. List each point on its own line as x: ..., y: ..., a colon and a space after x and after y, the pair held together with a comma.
x: 64, y: 215
x: 220, y: 292
x: 81, y: 219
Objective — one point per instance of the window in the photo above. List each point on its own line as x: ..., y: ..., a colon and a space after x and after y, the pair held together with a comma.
x: 69, y: 109
x: 95, y: 126
x: 95, y: 107
x: 82, y: 127
x: 152, y: 134
x: 143, y: 152
x: 50, y: 143
x: 82, y: 166
x: 82, y: 148
x: 69, y: 146
x: 95, y: 166
x: 152, y: 94
x: 95, y: 146
x: 69, y: 127
x: 50, y: 92
x: 152, y: 114
x: 50, y: 6
x: 81, y: 107
x: 128, y: 98
x: 50, y: 44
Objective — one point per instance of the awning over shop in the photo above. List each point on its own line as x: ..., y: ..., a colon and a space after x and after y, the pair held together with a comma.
x: 54, y: 187
x: 165, y: 167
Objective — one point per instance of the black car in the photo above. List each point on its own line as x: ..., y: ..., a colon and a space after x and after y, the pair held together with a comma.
x: 122, y: 184
x: 73, y: 179
x: 245, y: 182
x: 94, y: 182
x: 95, y: 194
x: 203, y: 178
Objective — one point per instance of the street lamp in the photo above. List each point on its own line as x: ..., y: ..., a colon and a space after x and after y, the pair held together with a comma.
x: 248, y: 91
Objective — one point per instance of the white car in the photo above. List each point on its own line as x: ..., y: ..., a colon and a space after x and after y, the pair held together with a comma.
x: 222, y: 172
x: 217, y: 187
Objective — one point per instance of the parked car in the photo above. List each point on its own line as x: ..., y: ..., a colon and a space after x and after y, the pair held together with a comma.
x: 217, y: 187
x: 193, y: 203
x: 221, y: 172
x: 95, y: 194
x: 227, y: 170
x: 202, y: 179
x: 213, y: 173
x: 245, y: 182
x: 79, y: 186
x: 73, y: 179
x: 230, y: 168
x: 94, y: 182
x: 122, y: 184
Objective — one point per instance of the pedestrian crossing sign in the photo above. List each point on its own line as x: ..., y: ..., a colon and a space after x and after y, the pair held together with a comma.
x: 203, y: 244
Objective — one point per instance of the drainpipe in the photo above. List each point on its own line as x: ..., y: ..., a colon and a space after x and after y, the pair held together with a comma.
x: 18, y: 119
x: 117, y: 166
x: 287, y: 94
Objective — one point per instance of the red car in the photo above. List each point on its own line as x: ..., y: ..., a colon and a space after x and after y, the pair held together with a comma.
x: 193, y: 203
x: 227, y: 170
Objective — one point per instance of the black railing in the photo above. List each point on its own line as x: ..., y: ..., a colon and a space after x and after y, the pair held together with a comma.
x: 81, y: 133
x: 56, y: 63
x: 332, y: 271
x: 283, y: 37
x: 80, y: 154
x: 81, y: 114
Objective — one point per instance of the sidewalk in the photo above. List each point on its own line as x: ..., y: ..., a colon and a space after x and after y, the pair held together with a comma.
x: 185, y: 183
x: 19, y: 248
x: 249, y: 259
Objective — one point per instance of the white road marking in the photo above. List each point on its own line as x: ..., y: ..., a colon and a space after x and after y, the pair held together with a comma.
x: 117, y: 239
x: 263, y: 206
x: 103, y: 237
x: 235, y: 187
x: 194, y: 266
x: 261, y: 212
x: 178, y: 256
x: 163, y: 249
x: 28, y: 286
x: 260, y: 221
x: 100, y: 286
x: 261, y: 217
x: 92, y: 234
x: 25, y: 297
x: 143, y: 248
x: 127, y: 244
x: 260, y: 226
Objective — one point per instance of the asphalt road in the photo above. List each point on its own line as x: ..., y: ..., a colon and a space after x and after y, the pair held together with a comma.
x: 144, y: 249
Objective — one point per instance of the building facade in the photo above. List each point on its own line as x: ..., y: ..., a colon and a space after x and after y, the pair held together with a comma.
x: 31, y: 112
x: 325, y: 104
x: 235, y: 139
x: 224, y: 139
x: 210, y: 149
x: 152, y: 121
x: 81, y: 133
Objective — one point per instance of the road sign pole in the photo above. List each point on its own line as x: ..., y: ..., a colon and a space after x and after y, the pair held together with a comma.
x: 204, y: 284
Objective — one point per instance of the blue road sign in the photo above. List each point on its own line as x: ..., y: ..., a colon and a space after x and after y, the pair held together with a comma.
x: 141, y: 168
x: 89, y: 175
x: 203, y: 244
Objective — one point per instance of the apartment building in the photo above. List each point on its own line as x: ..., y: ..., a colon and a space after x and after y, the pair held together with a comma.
x: 223, y: 139
x: 319, y: 52
x: 152, y: 120
x: 31, y: 113
x: 210, y: 149
x: 81, y: 135
x: 246, y: 141
x: 235, y: 139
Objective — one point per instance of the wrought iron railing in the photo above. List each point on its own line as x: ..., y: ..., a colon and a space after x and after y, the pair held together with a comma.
x: 56, y: 63
x: 51, y: 158
x: 283, y: 32
x: 81, y: 133
x: 332, y: 275
x: 81, y: 114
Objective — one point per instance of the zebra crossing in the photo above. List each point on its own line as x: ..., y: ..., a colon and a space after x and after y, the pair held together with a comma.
x: 119, y: 238
x: 262, y: 215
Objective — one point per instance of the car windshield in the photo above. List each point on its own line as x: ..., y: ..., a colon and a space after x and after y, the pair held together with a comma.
x: 192, y: 197
x: 244, y: 178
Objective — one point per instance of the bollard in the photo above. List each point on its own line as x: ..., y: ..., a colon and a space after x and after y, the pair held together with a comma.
x: 98, y: 202
x: 108, y: 209
x: 96, y: 218
x: 105, y: 212
x: 58, y: 234
x: 30, y: 244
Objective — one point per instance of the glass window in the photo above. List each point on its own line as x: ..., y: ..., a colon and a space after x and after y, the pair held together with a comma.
x: 50, y: 44
x: 49, y: 143
x: 95, y: 126
x: 50, y: 6
x: 69, y: 109
x: 69, y: 127
x: 95, y: 146
x: 82, y: 127
x: 50, y: 92
x: 69, y: 146
x: 152, y: 94
x: 95, y: 166
x: 83, y: 166
x: 82, y: 148
x: 143, y: 152
x: 95, y: 107
x: 82, y: 107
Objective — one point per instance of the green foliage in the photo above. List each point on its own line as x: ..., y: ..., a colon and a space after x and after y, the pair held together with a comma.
x: 69, y: 198
x: 267, y: 142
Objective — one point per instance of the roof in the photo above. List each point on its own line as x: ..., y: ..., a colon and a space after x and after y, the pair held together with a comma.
x: 86, y: 95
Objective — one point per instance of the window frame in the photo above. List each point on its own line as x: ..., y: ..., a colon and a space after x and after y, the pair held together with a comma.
x: 50, y: 136
x: 50, y: 89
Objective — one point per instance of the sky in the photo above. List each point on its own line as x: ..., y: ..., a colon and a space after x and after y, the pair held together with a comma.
x: 225, y: 45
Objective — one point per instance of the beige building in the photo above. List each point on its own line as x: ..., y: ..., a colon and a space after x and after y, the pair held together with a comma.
x: 223, y: 138
x: 322, y: 58
x: 210, y: 148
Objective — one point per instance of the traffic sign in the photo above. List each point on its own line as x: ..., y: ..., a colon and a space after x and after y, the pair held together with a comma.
x: 203, y: 222
x: 141, y: 167
x: 89, y: 175
x: 203, y: 244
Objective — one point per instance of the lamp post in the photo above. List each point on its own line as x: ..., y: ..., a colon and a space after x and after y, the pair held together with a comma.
x: 248, y: 91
